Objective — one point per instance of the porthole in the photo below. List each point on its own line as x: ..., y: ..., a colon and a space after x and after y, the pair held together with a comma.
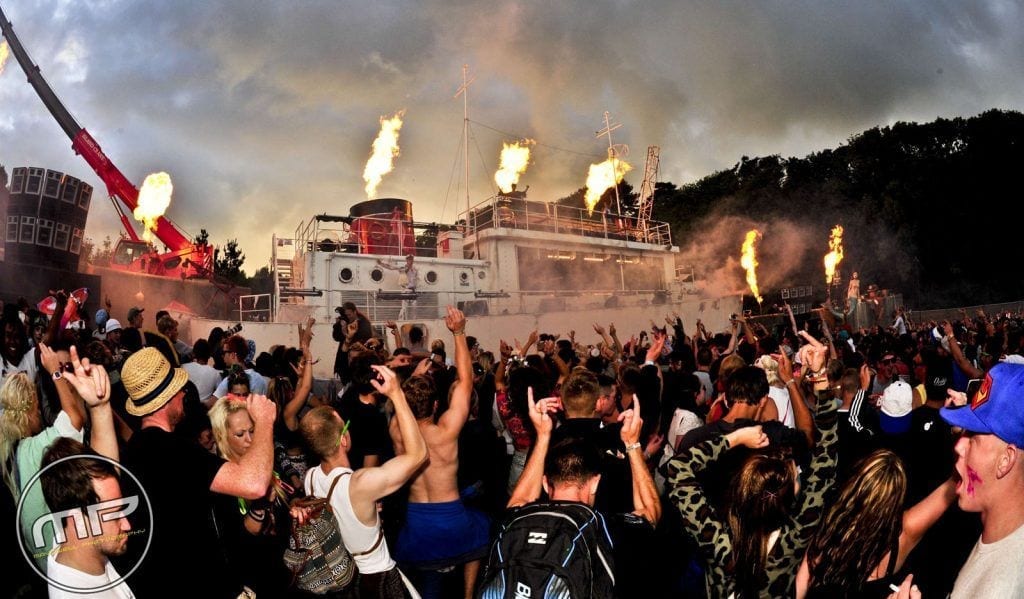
x: 464, y: 278
x: 481, y: 275
x: 345, y: 275
x: 431, y: 277
x: 377, y: 275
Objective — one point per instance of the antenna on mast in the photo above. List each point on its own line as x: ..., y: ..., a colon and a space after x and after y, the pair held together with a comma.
x: 464, y: 92
x: 612, y: 153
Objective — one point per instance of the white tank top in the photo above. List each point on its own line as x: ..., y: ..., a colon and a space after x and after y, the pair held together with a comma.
x: 358, y: 537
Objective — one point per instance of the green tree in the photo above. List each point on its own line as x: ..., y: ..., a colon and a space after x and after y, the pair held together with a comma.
x: 262, y: 281
x: 203, y: 238
x: 228, y: 263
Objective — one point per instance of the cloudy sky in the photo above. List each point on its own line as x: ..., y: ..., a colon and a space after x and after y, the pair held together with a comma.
x: 263, y: 112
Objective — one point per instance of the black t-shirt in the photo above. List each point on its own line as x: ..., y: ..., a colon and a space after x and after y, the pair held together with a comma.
x: 368, y: 428
x: 185, y: 555
x: 930, y: 457
x: 615, y: 491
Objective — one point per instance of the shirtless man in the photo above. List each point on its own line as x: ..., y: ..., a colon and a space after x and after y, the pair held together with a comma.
x: 440, y: 532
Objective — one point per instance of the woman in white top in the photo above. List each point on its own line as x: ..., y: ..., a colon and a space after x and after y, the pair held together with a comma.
x: 777, y: 390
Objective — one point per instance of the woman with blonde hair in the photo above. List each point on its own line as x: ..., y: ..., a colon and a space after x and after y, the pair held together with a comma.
x: 249, y: 531
x: 866, y: 536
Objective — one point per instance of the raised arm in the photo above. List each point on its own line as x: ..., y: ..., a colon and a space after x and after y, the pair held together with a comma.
x: 93, y: 385
x: 699, y: 518
x: 305, y: 374
x: 822, y: 469
x: 458, y: 408
x: 69, y: 403
x: 645, y: 495
x: 802, y: 419
x: 958, y: 354
x: 529, y: 485
x: 370, y: 484
x: 918, y: 519
x: 393, y: 327
x: 250, y: 476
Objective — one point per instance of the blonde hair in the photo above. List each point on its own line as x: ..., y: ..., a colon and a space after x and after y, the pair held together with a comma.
x: 863, y: 524
x: 18, y: 399
x: 770, y: 366
x: 219, y: 414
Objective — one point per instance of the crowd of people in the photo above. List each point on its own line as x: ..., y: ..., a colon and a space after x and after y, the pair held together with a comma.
x: 806, y: 460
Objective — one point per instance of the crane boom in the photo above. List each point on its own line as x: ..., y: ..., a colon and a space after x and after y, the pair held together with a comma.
x: 646, y: 200
x: 184, y: 256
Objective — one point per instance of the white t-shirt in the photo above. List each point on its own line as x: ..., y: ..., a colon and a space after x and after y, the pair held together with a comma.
x: 993, y: 569
x: 780, y: 396
x: 705, y: 381
x: 71, y: 577
x: 206, y: 379
x: 27, y: 364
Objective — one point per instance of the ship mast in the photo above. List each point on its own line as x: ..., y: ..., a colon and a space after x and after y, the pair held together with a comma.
x: 612, y: 153
x: 464, y: 92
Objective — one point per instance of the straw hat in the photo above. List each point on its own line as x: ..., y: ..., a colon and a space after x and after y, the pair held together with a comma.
x: 150, y: 381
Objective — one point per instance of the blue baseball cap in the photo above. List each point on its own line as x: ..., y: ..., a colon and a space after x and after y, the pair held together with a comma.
x: 997, y: 408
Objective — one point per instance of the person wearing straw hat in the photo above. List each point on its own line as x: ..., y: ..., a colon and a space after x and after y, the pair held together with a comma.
x: 178, y: 476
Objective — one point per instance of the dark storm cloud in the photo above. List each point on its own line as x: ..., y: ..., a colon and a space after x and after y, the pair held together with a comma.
x: 263, y: 112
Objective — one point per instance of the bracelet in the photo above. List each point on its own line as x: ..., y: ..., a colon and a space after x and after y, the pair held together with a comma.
x: 457, y: 333
x: 649, y: 363
x: 633, y: 446
x: 790, y: 382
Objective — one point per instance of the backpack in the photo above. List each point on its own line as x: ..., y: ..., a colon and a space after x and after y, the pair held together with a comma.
x: 316, y: 555
x: 555, y: 549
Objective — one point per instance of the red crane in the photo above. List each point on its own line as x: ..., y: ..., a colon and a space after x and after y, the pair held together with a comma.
x: 184, y: 258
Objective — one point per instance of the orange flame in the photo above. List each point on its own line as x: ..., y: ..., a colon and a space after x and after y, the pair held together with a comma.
x: 515, y: 157
x: 4, y: 53
x: 748, y: 260
x: 835, y: 254
x: 385, y: 149
x: 154, y: 198
x: 603, y: 177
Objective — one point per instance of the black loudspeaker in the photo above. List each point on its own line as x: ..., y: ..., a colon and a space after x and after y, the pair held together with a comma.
x: 474, y: 307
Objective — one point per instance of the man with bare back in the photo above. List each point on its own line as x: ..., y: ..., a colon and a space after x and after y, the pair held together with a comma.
x: 440, y: 532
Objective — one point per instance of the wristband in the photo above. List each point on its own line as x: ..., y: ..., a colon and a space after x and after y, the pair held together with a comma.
x: 649, y: 363
x: 457, y: 333
x: 633, y: 446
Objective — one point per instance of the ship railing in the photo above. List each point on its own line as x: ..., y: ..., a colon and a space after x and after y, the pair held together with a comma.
x: 382, y: 306
x: 256, y: 307
x: 374, y: 236
x: 511, y: 211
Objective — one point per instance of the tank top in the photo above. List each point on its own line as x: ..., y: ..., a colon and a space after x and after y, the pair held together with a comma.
x: 365, y: 543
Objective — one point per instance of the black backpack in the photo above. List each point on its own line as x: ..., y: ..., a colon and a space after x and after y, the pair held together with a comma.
x: 551, y: 550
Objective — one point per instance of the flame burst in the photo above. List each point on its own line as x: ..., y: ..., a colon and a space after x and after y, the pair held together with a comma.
x: 385, y: 148
x: 748, y: 260
x: 515, y: 157
x: 603, y: 177
x: 835, y: 254
x: 4, y: 53
x: 154, y: 198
